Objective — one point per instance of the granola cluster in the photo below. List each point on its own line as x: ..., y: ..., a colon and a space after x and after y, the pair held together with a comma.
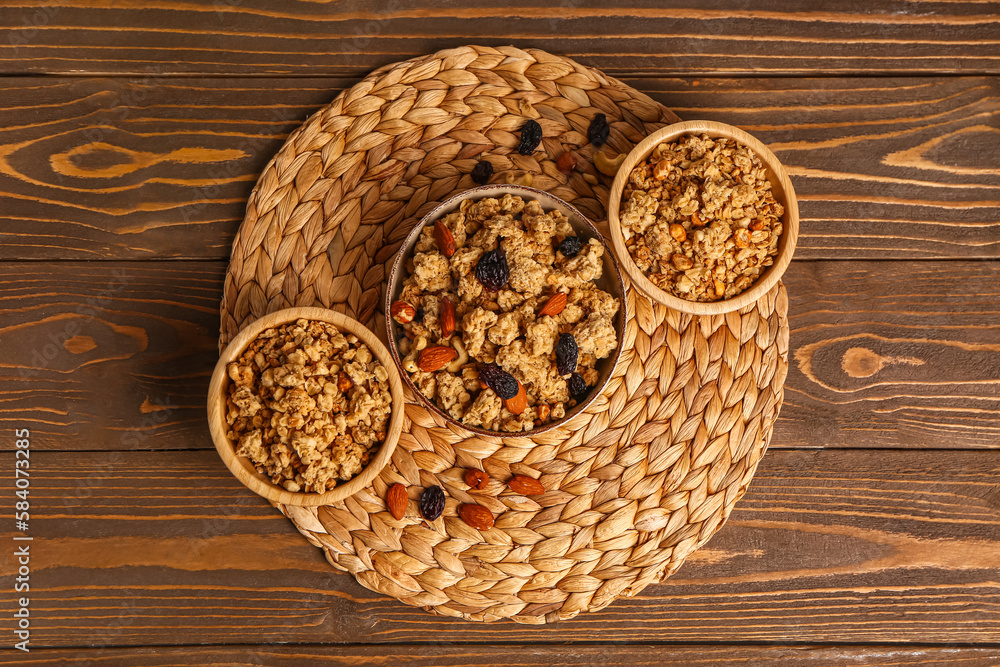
x: 503, y: 324
x: 700, y: 219
x: 308, y: 405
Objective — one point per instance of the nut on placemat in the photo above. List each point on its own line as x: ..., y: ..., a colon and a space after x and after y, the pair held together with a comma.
x: 634, y: 483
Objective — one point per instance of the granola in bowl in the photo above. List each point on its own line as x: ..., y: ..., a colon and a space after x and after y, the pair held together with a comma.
x: 699, y: 217
x: 498, y: 319
x: 308, y: 405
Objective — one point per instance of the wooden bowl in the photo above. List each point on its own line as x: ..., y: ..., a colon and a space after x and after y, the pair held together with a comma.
x: 784, y: 194
x: 242, y: 467
x: 610, y: 281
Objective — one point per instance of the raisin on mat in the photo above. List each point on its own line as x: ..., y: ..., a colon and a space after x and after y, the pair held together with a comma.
x: 499, y: 380
x: 482, y: 172
x: 570, y: 246
x: 492, y: 270
x: 598, y: 130
x: 566, y: 354
x: 432, y: 502
x: 577, y: 387
x: 531, y: 136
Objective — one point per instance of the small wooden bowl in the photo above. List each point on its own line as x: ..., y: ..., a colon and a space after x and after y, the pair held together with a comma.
x: 783, y: 193
x: 242, y: 467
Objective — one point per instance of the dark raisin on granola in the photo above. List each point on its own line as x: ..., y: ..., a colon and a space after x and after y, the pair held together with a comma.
x: 499, y: 380
x: 418, y: 316
x: 482, y: 172
x: 492, y: 270
x: 566, y: 354
x: 598, y: 130
x: 531, y: 136
x: 432, y: 502
x: 570, y: 246
x: 577, y: 387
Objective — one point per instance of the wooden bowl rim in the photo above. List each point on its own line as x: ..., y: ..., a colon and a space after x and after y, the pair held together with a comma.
x: 785, y: 196
x: 242, y: 468
x: 621, y: 321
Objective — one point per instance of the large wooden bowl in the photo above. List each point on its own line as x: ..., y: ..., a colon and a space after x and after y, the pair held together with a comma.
x: 243, y: 468
x: 784, y: 194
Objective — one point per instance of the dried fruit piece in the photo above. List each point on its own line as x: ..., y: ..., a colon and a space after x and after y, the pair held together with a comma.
x: 531, y: 136
x: 567, y: 353
x: 570, y: 246
x: 476, y: 479
x: 492, y: 269
x: 742, y: 238
x: 396, y: 501
x: 678, y: 232
x: 526, y: 486
x: 757, y: 225
x: 432, y: 502
x: 476, y: 516
x: 598, y: 131
x: 555, y: 305
x: 402, y: 312
x: 446, y: 316
x: 720, y: 289
x: 343, y: 382
x: 435, y: 357
x: 482, y: 172
x: 577, y: 386
x: 681, y: 262
x: 444, y: 238
x: 499, y: 380
x: 566, y: 163
x: 519, y: 403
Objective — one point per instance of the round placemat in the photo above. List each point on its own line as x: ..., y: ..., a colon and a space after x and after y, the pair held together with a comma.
x: 634, y: 484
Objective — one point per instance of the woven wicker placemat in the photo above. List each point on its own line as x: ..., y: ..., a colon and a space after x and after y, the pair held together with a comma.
x: 635, y: 483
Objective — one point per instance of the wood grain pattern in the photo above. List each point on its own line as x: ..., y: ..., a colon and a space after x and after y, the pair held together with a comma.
x: 874, y: 546
x: 424, y: 655
x: 883, y: 354
x: 350, y: 38
x: 158, y: 167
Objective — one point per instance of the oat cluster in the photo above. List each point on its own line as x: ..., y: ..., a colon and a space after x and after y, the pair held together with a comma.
x: 700, y: 219
x: 518, y: 327
x: 308, y: 405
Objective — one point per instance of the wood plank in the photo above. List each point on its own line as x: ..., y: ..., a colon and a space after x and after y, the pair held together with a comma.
x: 154, y: 548
x: 349, y: 38
x: 117, y: 355
x: 161, y: 167
x: 477, y: 655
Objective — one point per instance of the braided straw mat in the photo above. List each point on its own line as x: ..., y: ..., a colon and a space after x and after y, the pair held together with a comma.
x: 635, y: 483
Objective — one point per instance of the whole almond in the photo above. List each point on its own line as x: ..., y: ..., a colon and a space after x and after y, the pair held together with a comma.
x: 517, y: 404
x: 396, y: 500
x: 555, y: 305
x: 526, y: 486
x: 476, y: 516
x: 476, y: 479
x: 445, y: 239
x: 435, y: 357
x: 402, y: 312
x: 446, y: 316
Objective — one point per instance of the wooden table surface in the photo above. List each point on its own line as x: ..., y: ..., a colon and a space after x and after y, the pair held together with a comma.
x: 131, y: 134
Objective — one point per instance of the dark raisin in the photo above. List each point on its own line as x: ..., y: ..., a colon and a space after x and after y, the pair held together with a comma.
x: 598, y: 130
x: 570, y: 246
x: 499, y: 380
x: 577, y: 387
x: 531, y: 136
x: 432, y: 502
x: 492, y: 270
x: 482, y: 172
x: 419, y: 315
x: 566, y: 354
